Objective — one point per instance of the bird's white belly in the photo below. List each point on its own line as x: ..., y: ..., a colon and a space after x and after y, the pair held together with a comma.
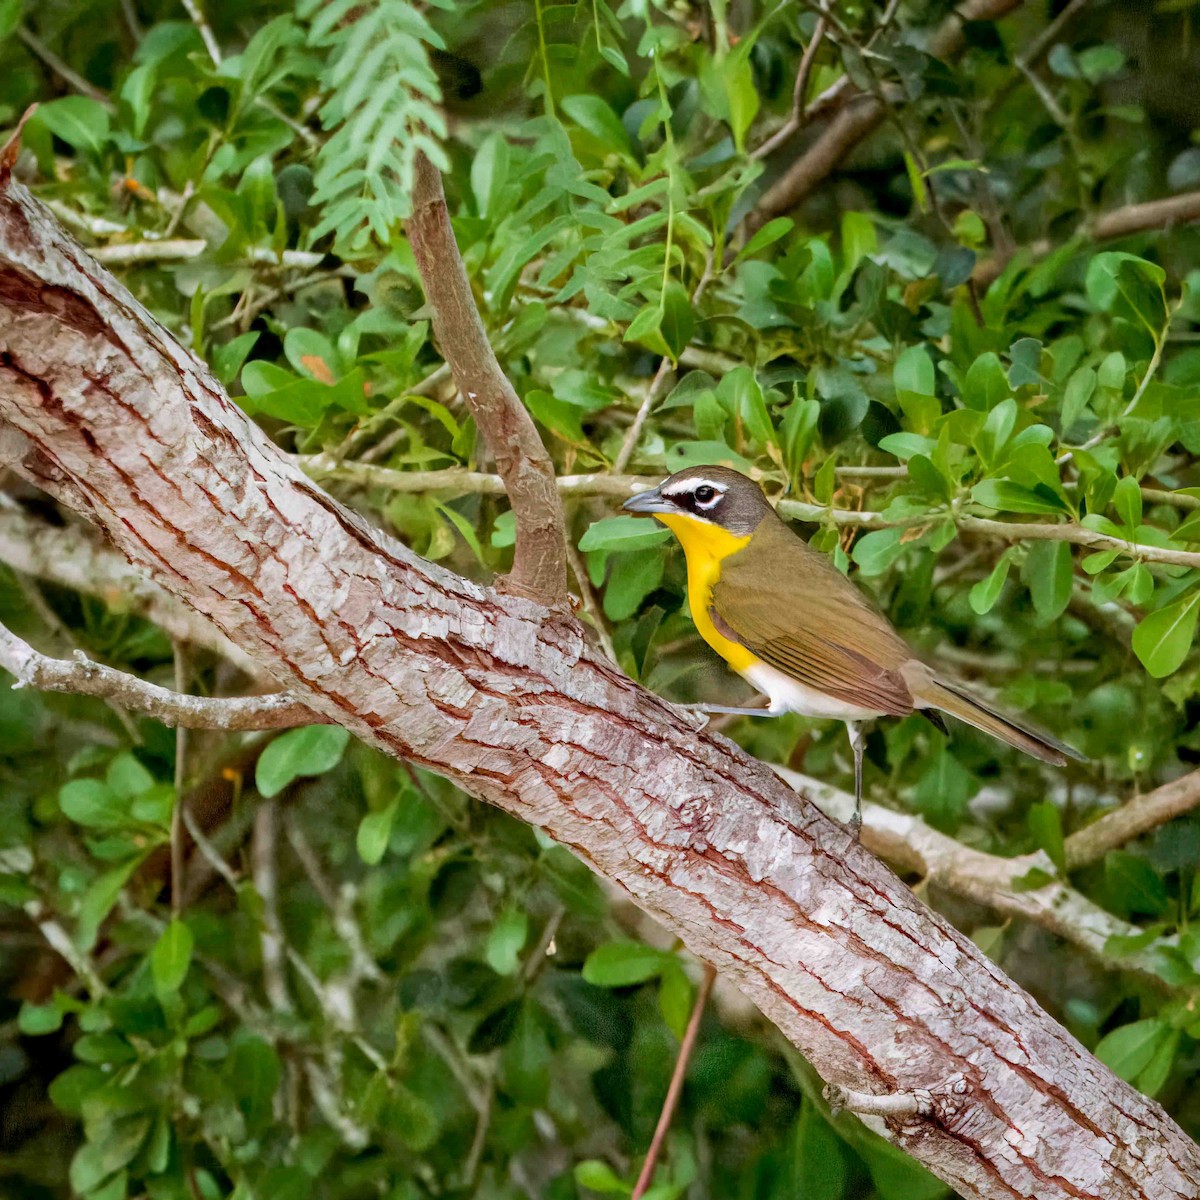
x: 788, y: 695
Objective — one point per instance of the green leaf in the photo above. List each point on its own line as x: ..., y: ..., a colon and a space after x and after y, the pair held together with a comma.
x: 740, y: 92
x: 1158, y: 1069
x: 594, y: 114
x: 1127, y: 500
x: 489, y: 172
x: 1076, y: 396
x: 742, y: 395
x: 36, y: 1020
x: 1127, y: 1051
x: 620, y: 964
x: 914, y: 372
x: 677, y: 318
x: 253, y: 1071
x: 986, y: 383
x: 766, y: 236
x: 1162, y: 640
x: 623, y: 533
x: 876, y: 551
x: 1004, y: 496
x: 986, y: 592
x: 11, y: 12
x: 859, y: 239
x: 916, y: 181
x: 374, y: 833
x: 98, y: 900
x: 675, y: 997
x: 1129, y: 287
x: 311, y: 750
x: 525, y: 1058
x: 95, y: 1161
x: 559, y: 416
x: 1097, y: 63
x: 228, y: 358
x: 598, y: 1176
x: 632, y: 576
x: 127, y: 777
x: 171, y: 957
x: 1133, y: 884
x: 820, y: 1162
x: 92, y: 803
x: 1049, y: 573
x: 646, y: 329
x: 1045, y: 823
x: 80, y: 122
x: 505, y: 942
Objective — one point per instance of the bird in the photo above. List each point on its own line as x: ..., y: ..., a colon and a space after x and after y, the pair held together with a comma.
x: 788, y: 621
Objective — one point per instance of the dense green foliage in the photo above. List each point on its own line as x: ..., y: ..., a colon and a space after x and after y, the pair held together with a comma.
x: 443, y: 1004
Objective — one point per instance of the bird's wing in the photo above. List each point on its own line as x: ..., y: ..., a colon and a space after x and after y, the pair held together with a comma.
x: 810, y: 622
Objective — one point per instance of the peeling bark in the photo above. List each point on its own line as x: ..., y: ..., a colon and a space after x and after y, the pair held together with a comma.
x: 508, y: 700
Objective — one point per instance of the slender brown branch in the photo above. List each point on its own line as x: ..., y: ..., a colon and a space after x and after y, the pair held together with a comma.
x: 86, y: 678
x: 62, y: 70
x: 1120, y: 222
x: 1132, y: 820
x: 635, y: 430
x: 539, y: 561
x: 675, y: 1087
x: 797, y: 117
x: 182, y: 683
x: 462, y: 482
x: 860, y: 115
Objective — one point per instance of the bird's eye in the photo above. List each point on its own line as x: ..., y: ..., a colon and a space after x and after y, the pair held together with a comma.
x: 704, y: 494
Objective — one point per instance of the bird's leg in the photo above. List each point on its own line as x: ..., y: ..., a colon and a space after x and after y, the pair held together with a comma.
x: 858, y: 741
x: 725, y: 710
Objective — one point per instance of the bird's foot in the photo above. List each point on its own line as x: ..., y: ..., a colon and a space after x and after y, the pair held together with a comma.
x: 697, y: 714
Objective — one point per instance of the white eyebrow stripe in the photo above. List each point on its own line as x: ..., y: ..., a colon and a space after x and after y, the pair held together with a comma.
x: 690, y: 485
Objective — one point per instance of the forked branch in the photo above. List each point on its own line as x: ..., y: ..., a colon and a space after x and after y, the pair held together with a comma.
x: 539, y: 560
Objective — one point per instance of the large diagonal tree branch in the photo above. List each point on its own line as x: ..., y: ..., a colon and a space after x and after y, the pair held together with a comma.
x: 506, y: 698
x: 540, y: 558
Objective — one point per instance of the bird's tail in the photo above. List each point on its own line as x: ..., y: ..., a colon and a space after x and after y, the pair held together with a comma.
x: 958, y: 702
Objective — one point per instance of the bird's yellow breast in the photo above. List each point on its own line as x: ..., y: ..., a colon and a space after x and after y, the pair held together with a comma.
x: 706, y: 546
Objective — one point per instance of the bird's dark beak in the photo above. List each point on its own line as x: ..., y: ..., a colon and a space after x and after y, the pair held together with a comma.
x: 648, y: 502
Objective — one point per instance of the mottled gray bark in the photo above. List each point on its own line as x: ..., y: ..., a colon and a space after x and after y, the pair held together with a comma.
x: 509, y: 701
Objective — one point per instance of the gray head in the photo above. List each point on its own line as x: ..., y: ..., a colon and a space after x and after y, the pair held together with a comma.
x: 717, y: 495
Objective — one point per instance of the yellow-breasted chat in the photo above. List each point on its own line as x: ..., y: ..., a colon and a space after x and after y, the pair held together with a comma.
x: 788, y: 621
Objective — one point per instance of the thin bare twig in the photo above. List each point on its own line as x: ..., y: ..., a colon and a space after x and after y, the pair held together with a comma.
x: 84, y: 677
x: 1118, y: 223
x: 590, y: 605
x: 182, y: 682
x: 675, y: 1088
x: 62, y: 70
x: 173, y: 249
x: 795, y: 121
x: 634, y: 432
x: 198, y: 19
x: 859, y: 115
x: 462, y: 482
